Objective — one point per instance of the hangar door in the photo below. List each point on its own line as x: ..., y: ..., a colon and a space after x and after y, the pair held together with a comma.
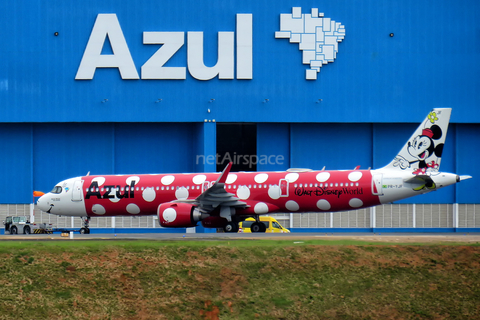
x: 237, y: 143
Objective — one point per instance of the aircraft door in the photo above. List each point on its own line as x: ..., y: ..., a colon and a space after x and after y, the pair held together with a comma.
x: 77, y: 192
x: 283, y: 188
x: 377, y: 184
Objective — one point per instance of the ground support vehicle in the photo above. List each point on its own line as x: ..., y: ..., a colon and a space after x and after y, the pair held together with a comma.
x: 22, y: 225
x: 267, y: 224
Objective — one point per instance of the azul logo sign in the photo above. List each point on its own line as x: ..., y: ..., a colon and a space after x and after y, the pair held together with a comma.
x: 318, y: 37
x: 107, y: 25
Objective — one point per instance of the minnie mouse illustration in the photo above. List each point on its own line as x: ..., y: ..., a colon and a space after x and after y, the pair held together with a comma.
x: 421, y: 148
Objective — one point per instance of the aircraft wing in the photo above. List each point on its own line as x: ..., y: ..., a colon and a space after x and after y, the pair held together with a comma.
x: 216, y: 196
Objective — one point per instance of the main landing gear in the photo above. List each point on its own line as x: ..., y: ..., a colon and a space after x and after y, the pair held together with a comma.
x: 231, y: 226
x: 85, y: 229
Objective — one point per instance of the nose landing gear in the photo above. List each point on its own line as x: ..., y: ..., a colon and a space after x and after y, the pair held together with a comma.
x: 85, y: 229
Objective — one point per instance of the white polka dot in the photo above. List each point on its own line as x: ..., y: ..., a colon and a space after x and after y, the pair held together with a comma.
x: 98, y: 209
x: 167, y: 180
x: 243, y: 192
x: 354, y: 176
x: 261, y: 178
x: 274, y: 192
x: 292, y: 205
x: 260, y: 208
x: 292, y: 177
x: 323, y: 204
x: 169, y: 215
x: 199, y: 178
x: 323, y: 176
x: 115, y: 198
x: 181, y: 193
x: 133, y: 178
x: 133, y: 208
x: 355, y: 203
x: 99, y: 180
x: 149, y: 194
x: 232, y: 177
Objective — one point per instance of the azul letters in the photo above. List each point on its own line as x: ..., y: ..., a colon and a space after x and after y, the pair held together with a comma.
x: 108, y: 25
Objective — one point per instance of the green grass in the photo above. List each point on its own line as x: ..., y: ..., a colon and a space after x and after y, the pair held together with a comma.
x: 237, y: 279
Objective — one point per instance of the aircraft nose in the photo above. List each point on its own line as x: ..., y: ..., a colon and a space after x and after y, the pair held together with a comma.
x: 43, y: 204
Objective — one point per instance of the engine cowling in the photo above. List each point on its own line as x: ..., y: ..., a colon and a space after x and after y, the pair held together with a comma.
x: 178, y: 215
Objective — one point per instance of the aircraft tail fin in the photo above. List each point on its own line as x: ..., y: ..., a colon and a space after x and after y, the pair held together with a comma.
x: 423, y: 151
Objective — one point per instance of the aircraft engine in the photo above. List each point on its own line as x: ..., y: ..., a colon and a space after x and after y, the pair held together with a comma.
x: 178, y: 215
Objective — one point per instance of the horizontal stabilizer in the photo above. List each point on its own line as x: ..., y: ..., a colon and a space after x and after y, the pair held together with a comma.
x: 419, y: 179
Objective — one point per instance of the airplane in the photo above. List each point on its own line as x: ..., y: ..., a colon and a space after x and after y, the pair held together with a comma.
x: 222, y: 200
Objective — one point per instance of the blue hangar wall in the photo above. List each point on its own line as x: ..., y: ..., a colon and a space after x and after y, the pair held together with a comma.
x: 140, y: 86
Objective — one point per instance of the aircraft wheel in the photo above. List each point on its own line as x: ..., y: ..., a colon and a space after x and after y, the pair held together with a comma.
x: 258, y: 227
x: 84, y: 231
x: 26, y: 230
x: 231, y: 227
x: 13, y: 230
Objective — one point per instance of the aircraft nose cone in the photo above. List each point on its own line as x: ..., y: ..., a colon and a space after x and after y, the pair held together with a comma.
x: 42, y: 203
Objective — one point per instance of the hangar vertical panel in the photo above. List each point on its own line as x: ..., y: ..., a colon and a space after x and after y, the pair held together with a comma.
x: 66, y: 150
x: 16, y: 163
x: 466, y: 158
x: 154, y: 147
x: 336, y: 146
x: 273, y: 146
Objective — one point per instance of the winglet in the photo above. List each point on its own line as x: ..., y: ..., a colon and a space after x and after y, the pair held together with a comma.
x: 225, y: 172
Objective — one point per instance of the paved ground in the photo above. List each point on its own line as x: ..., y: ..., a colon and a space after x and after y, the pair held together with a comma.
x: 370, y: 237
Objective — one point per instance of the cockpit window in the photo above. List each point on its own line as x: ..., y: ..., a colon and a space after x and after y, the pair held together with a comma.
x: 56, y: 189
